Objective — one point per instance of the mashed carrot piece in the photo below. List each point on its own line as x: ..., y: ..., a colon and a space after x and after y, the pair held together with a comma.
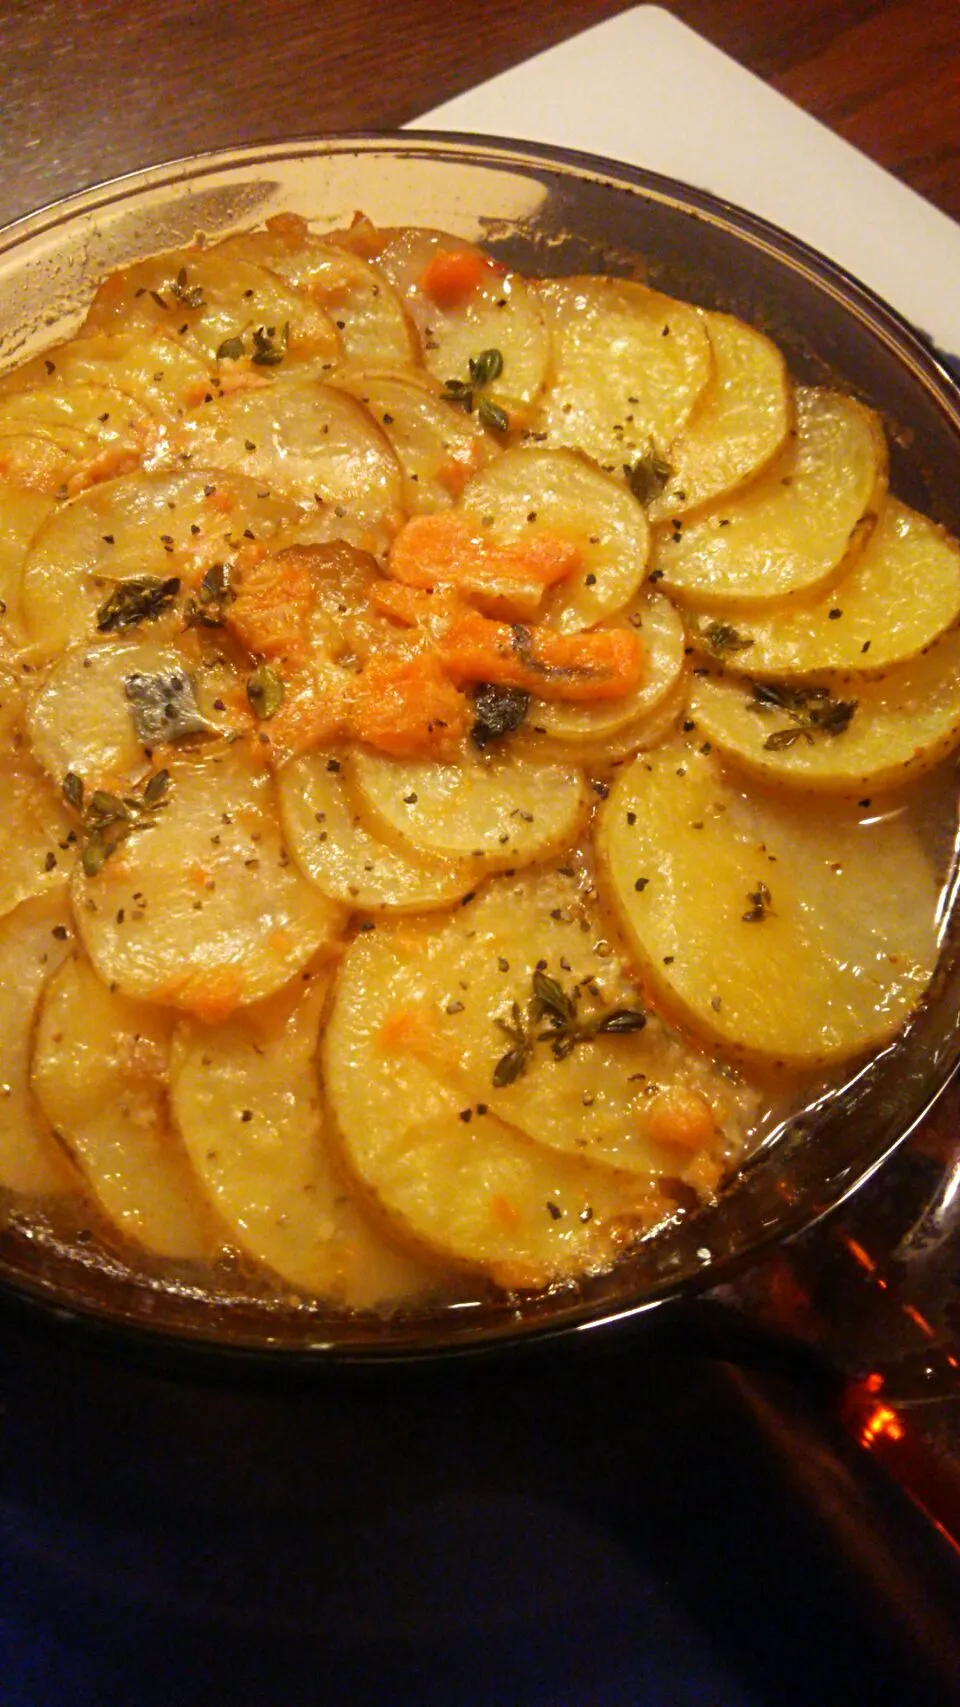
x: 451, y: 275
x: 446, y: 548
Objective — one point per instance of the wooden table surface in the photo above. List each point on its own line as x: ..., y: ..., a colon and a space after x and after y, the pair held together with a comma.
x: 91, y: 88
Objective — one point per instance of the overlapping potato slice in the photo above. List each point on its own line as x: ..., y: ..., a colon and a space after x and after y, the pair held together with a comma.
x: 902, y: 591
x: 99, y: 1073
x: 495, y: 807
x: 437, y: 445
x: 303, y: 439
x: 146, y: 524
x: 33, y: 941
x: 739, y: 424
x: 209, y: 300
x: 497, y: 311
x: 23, y: 515
x: 247, y: 1102
x: 437, y: 1161
x: 363, y: 306
x: 526, y: 493
x: 793, y: 529
x: 661, y: 632
x: 628, y: 367
x: 98, y: 429
x: 204, y: 911
x: 334, y: 848
x: 157, y: 370
x: 901, y: 723
x: 34, y: 825
x: 82, y: 720
x: 798, y: 935
x: 596, y: 1077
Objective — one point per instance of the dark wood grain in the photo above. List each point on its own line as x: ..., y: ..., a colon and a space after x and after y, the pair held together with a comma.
x: 94, y: 89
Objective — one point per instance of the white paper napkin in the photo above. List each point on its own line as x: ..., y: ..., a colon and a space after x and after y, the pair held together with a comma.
x: 647, y: 90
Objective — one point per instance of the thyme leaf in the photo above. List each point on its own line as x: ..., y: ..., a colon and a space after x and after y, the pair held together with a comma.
x: 270, y: 345
x: 760, y: 905
x: 722, y: 637
x: 265, y: 691
x: 483, y: 369
x: 190, y: 296
x: 648, y: 476
x: 107, y: 819
x: 567, y: 1027
x: 492, y: 416
x: 811, y: 707
x: 499, y: 712
x: 230, y: 350
x: 141, y: 599
x: 486, y: 367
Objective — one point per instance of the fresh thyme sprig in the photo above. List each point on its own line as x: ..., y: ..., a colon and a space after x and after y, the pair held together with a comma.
x: 566, y: 1026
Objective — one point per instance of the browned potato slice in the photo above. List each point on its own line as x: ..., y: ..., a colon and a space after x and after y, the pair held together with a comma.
x: 437, y: 445
x: 628, y: 368
x: 82, y: 720
x: 501, y: 313
x: 160, y: 525
x: 23, y: 515
x: 247, y: 1101
x: 439, y: 1164
x: 334, y: 848
x: 789, y: 532
x: 362, y: 304
x: 901, y: 724
x: 496, y: 808
x: 901, y: 592
x: 208, y: 299
x: 303, y: 439
x: 661, y: 631
x: 34, y: 826
x: 99, y: 1073
x: 204, y: 911
x: 531, y: 492
x: 158, y: 372
x: 33, y: 941
x: 739, y: 424
x: 797, y: 935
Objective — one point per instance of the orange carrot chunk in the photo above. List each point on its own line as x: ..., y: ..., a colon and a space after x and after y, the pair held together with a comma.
x: 603, y: 664
x: 408, y: 707
x: 446, y: 548
x: 451, y: 274
x: 272, y: 608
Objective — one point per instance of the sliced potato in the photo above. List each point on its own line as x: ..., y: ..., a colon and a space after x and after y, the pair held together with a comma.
x: 498, y: 312
x: 23, y: 515
x: 207, y: 299
x: 792, y: 934
x: 304, y: 439
x: 33, y: 941
x: 628, y: 367
x: 247, y: 1102
x: 99, y: 1073
x: 739, y: 425
x: 438, y: 1163
x: 903, y: 723
x: 363, y: 306
x: 334, y: 848
x: 144, y: 524
x: 495, y: 807
x: 157, y: 371
x: 437, y: 445
x: 639, y: 1100
x: 82, y: 720
x: 34, y: 825
x: 902, y: 591
x: 204, y: 911
x: 526, y: 493
x: 661, y: 632
x: 794, y: 528
x: 38, y: 463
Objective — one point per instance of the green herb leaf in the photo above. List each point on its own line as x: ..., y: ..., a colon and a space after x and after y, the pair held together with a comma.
x: 486, y: 367
x: 141, y: 599
x: 648, y: 475
x: 270, y: 345
x: 191, y: 296
x: 760, y: 905
x: 73, y: 790
x: 491, y: 415
x: 512, y: 1065
x: 265, y: 691
x: 230, y: 350
x: 549, y: 997
x: 723, y: 637
x: 499, y: 712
